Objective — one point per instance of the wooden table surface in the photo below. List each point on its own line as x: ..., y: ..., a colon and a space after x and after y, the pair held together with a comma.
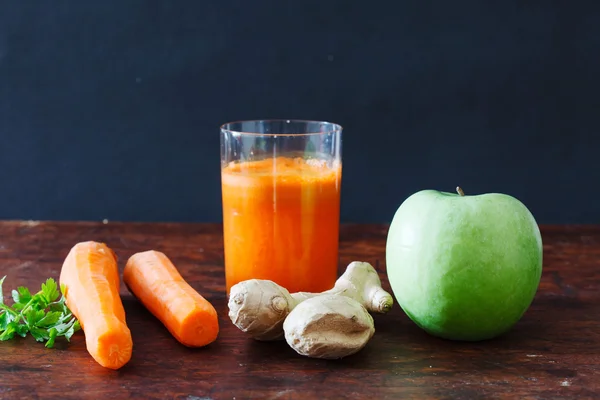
x: 553, y: 352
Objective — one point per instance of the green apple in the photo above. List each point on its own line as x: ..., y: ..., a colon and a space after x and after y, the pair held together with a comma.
x: 464, y: 267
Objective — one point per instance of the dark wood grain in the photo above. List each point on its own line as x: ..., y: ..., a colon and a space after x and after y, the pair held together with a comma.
x: 553, y: 352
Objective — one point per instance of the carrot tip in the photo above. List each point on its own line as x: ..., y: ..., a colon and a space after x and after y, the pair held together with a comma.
x: 114, y: 349
x: 199, y: 328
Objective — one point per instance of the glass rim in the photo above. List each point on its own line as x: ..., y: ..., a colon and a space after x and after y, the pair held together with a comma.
x: 335, y: 127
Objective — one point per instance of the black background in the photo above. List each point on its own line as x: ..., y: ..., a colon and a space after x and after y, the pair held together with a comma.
x: 110, y: 109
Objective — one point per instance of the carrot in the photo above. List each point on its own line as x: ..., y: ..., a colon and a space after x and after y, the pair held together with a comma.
x: 155, y: 281
x: 91, y: 282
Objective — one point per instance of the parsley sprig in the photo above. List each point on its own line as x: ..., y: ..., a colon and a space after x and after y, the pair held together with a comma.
x: 42, y: 314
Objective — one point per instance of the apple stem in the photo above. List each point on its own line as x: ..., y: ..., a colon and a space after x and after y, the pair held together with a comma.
x: 460, y: 191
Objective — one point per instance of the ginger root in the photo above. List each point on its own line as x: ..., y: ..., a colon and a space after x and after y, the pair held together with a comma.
x: 259, y: 307
x: 328, y: 326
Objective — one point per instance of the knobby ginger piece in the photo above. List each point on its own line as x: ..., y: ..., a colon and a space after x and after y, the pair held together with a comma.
x: 259, y: 308
x: 328, y: 326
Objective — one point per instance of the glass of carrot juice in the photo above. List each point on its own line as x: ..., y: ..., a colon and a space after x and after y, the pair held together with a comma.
x: 281, y: 182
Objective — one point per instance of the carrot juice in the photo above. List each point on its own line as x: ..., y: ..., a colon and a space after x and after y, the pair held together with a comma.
x: 281, y: 222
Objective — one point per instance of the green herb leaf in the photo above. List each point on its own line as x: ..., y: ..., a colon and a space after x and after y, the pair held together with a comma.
x: 63, y: 327
x: 22, y: 330
x: 9, y: 332
x: 50, y: 319
x: 15, y: 296
x: 52, y: 337
x: 59, y: 306
x: 50, y: 290
x: 38, y: 301
x: 72, y: 330
x: 39, y: 334
x: 9, y: 311
x: 4, y: 320
x: 41, y: 314
x: 23, y: 294
x: 33, y: 316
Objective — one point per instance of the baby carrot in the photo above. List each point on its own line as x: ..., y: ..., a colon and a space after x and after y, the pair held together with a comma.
x: 155, y: 281
x: 91, y: 283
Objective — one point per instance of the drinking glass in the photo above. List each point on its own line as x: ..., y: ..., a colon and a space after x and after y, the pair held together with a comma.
x: 281, y: 182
